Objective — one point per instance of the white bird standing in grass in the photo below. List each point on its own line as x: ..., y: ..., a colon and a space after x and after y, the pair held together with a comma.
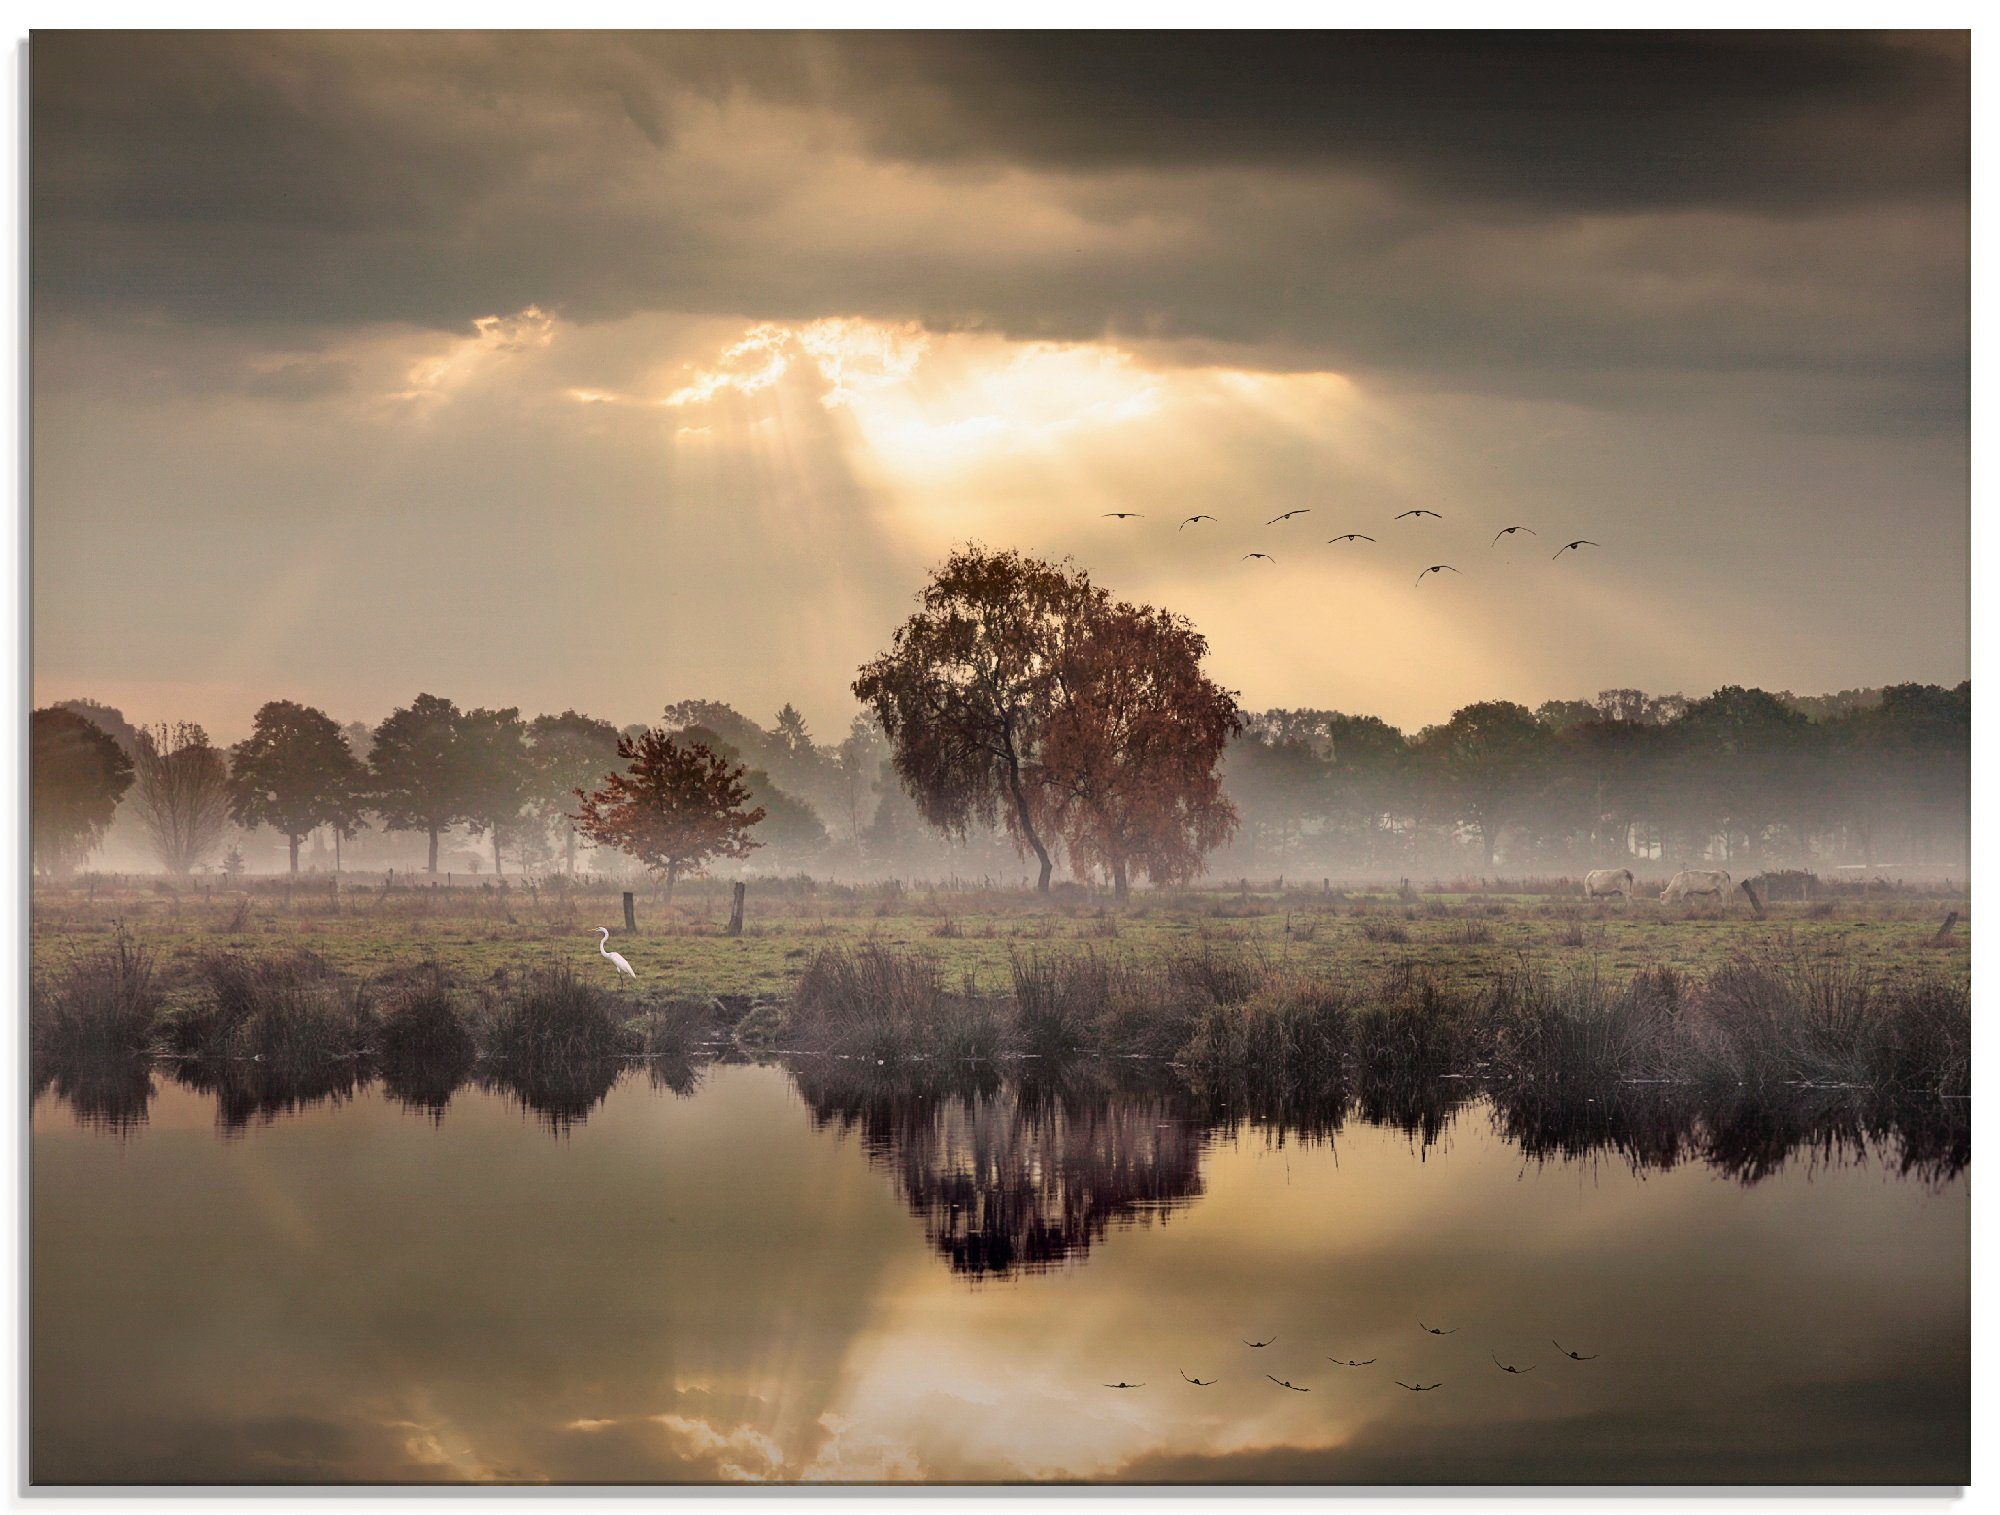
x: 617, y: 958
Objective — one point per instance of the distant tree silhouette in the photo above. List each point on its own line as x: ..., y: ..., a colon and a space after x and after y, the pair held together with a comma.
x: 677, y: 806
x: 180, y: 794
x: 1485, y: 765
x: 295, y: 773
x: 499, y: 774
x: 419, y: 770
x: 566, y: 753
x: 77, y: 774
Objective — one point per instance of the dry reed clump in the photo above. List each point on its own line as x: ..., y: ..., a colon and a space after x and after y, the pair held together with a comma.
x: 97, y: 1003
x: 875, y: 1001
x: 291, y: 1009
x: 422, y: 1023
x: 554, y: 1015
x: 1788, y: 1019
x: 1385, y: 931
x: 1289, y: 1027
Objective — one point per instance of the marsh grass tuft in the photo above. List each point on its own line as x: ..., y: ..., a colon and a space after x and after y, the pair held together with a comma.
x: 97, y: 1003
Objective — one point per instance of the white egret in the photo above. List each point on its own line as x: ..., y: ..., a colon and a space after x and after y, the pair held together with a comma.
x: 617, y: 958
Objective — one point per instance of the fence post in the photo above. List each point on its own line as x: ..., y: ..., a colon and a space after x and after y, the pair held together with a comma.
x: 631, y: 924
x: 736, y: 910
x: 1943, y: 937
x: 1751, y: 895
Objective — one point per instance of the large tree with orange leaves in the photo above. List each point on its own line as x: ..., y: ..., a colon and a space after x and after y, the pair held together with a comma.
x: 1021, y: 693
x: 677, y: 806
x: 1132, y: 761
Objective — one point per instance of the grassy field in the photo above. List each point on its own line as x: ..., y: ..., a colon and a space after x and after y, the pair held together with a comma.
x: 1461, y: 934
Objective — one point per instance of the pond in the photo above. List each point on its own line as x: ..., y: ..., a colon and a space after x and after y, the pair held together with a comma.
x: 822, y: 1271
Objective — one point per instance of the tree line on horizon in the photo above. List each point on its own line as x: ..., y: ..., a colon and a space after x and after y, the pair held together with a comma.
x: 1022, y: 713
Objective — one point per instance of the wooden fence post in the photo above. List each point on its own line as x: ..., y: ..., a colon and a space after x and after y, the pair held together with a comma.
x: 1751, y: 895
x: 1943, y: 937
x: 736, y: 910
x: 631, y: 924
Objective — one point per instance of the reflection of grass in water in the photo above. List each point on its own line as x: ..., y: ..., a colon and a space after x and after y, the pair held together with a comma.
x: 109, y: 1092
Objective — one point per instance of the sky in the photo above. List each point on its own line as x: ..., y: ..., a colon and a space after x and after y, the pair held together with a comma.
x: 602, y: 371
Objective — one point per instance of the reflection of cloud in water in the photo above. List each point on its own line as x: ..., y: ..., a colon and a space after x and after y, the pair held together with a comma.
x: 1016, y: 1175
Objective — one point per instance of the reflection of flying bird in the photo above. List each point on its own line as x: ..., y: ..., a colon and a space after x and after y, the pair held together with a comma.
x: 1419, y: 1388
x: 1302, y: 510
x: 1571, y: 547
x: 1123, y: 515
x: 1199, y: 1383
x: 1264, y: 555
x: 1352, y: 536
x: 1574, y: 1356
x: 1508, y: 1367
x: 1350, y: 1363
x: 1265, y: 1343
x: 1191, y: 520
x: 1437, y: 568
x: 1508, y: 531
x: 1431, y: 513
x: 617, y: 958
x: 1436, y: 1332
x: 1124, y: 1386
x: 1283, y: 1384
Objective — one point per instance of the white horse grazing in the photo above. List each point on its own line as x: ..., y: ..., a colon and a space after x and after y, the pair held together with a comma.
x: 1690, y: 882
x: 617, y: 958
x: 1602, y: 883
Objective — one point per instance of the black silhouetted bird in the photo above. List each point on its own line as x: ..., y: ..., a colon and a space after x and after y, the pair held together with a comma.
x: 1574, y: 1356
x: 1437, y: 568
x: 1199, y: 1383
x: 1124, y: 1386
x: 1350, y: 1363
x: 1281, y: 1383
x: 1508, y: 531
x: 1509, y: 1368
x: 1191, y: 520
x: 1302, y: 510
x: 1264, y: 555
x: 1123, y: 515
x: 1352, y: 536
x: 1436, y: 1332
x: 1571, y: 547
x: 1431, y: 513
x: 1419, y: 1388
x: 1264, y: 1343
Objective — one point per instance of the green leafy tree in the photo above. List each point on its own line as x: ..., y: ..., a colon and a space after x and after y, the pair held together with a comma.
x: 675, y: 808
x: 567, y: 753
x: 77, y: 774
x: 419, y: 767
x: 295, y: 773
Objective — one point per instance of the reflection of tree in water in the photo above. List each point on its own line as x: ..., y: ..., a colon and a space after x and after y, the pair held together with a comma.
x: 1017, y: 1175
x: 109, y: 1094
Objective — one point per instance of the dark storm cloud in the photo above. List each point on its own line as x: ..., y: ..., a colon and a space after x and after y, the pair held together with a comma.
x: 1614, y: 120
x: 1595, y: 216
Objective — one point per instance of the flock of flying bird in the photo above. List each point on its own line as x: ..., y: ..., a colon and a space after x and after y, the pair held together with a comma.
x: 1419, y: 1387
x: 1356, y: 536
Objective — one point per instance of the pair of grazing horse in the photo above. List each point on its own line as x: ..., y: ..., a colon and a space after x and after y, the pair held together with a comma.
x: 1603, y: 883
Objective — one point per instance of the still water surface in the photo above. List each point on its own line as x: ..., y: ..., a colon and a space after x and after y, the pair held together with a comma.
x: 744, y: 1272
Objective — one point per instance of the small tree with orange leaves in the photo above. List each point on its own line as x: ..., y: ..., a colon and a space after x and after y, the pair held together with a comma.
x: 676, y: 807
